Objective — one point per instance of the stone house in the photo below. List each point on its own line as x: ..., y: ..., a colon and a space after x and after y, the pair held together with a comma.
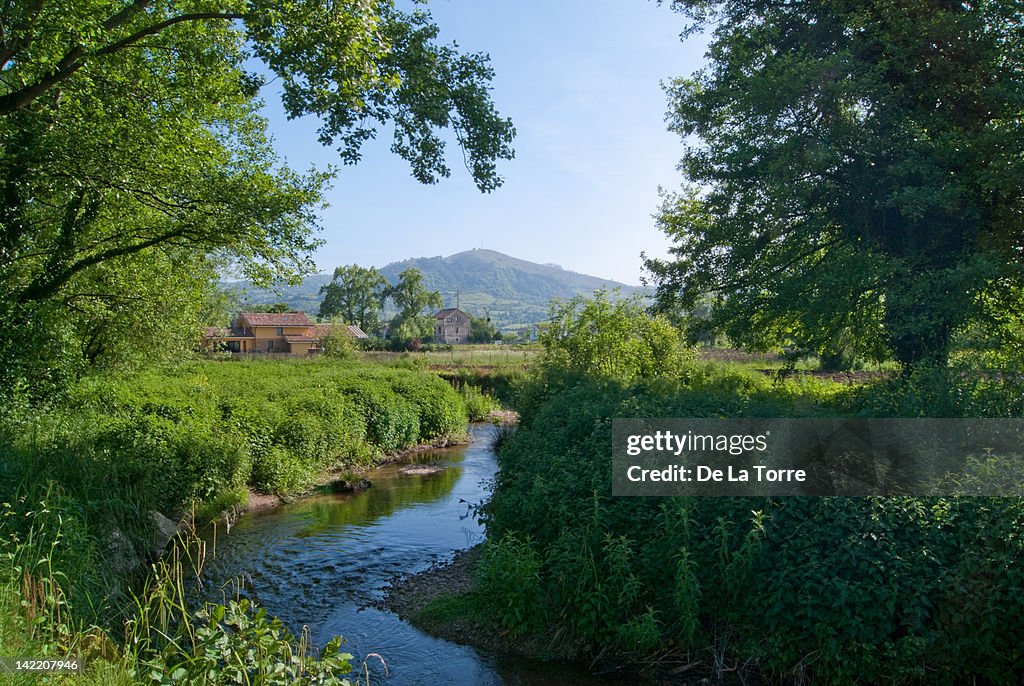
x: 452, y: 326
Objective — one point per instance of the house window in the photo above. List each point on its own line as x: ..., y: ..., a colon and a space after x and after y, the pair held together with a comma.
x: 280, y: 331
x: 270, y: 346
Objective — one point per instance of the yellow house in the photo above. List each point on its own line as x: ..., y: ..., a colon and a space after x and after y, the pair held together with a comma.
x: 288, y: 333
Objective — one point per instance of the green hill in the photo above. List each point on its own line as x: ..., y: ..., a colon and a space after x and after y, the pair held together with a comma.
x: 513, y: 292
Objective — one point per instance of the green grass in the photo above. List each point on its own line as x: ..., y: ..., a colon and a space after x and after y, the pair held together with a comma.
x: 730, y: 358
x: 463, y: 356
x: 448, y: 609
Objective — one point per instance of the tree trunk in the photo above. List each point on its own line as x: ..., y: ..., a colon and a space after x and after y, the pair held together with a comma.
x: 919, y: 319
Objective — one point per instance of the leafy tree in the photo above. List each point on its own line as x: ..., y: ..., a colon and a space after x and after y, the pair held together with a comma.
x: 356, y: 294
x: 131, y: 146
x: 855, y: 172
x: 338, y: 344
x: 220, y: 305
x: 412, y: 299
x: 481, y: 330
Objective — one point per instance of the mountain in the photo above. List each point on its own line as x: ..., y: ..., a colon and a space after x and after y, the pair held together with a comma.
x: 511, y: 291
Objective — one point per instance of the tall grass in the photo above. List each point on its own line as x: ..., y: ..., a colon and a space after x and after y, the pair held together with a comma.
x: 166, y: 638
x: 463, y: 356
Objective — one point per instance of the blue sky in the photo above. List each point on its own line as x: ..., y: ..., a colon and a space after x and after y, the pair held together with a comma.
x: 580, y: 80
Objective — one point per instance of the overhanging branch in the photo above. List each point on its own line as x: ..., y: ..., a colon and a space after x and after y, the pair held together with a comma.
x: 76, y: 57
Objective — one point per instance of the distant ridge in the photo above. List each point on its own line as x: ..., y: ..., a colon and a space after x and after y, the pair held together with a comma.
x: 513, y: 292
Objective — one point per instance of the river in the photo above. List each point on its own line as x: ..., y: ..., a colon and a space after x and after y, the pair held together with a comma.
x: 325, y: 560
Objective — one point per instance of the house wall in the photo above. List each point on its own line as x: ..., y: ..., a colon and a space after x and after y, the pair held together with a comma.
x: 455, y: 331
x: 262, y: 334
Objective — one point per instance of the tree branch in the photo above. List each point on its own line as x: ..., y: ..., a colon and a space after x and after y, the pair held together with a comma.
x: 158, y: 27
x: 10, y: 49
x: 76, y: 57
x: 43, y: 287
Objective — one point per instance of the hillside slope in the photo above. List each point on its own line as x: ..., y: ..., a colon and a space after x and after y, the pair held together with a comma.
x: 513, y: 292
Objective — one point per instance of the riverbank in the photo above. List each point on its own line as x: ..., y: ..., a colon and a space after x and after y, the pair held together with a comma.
x: 349, y: 478
x: 443, y: 601
x: 342, y: 479
x: 446, y: 602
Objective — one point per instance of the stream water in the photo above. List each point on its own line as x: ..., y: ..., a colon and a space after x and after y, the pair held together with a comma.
x: 324, y: 562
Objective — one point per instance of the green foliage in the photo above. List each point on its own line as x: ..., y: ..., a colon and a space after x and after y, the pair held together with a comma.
x: 479, y: 405
x: 822, y: 590
x: 338, y: 344
x: 841, y: 192
x: 191, y: 433
x: 78, y: 484
x: 510, y: 569
x: 612, y: 339
x: 135, y: 165
x: 958, y: 391
x: 239, y: 643
x: 407, y: 334
x: 499, y: 383
x: 440, y: 416
x: 481, y: 330
x: 412, y: 299
x: 356, y: 295
x: 277, y: 308
x: 165, y: 640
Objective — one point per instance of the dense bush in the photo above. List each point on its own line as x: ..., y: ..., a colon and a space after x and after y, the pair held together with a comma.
x: 612, y: 338
x: 479, y: 405
x: 186, y: 434
x: 820, y: 590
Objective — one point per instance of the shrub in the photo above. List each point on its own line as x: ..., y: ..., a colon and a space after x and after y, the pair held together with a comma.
x: 479, y: 406
x: 823, y: 590
x: 442, y: 413
x: 613, y: 339
x: 185, y: 434
x: 510, y: 568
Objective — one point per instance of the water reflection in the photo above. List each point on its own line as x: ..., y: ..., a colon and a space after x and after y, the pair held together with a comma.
x: 383, y: 499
